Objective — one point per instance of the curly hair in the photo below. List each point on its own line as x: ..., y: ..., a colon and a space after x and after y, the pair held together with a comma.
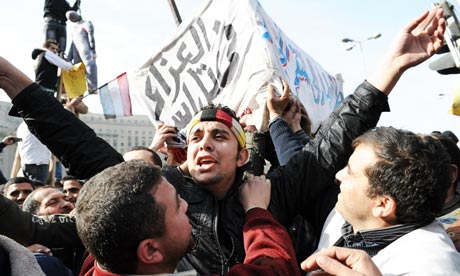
x: 413, y: 170
x: 454, y: 153
x: 115, y: 212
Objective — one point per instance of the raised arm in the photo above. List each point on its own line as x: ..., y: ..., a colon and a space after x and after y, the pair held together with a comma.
x: 415, y: 43
x: 306, y: 185
x: 52, y: 231
x: 71, y: 140
x: 267, y: 244
x: 12, y: 81
x: 58, y: 61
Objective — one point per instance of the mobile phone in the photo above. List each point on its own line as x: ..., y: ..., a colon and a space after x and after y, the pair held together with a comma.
x: 14, y: 140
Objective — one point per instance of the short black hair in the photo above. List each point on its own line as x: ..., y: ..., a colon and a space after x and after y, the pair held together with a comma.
x: 454, y: 153
x: 451, y: 135
x: 71, y: 177
x: 48, y: 43
x: 154, y: 156
x: 18, y: 179
x: 115, y: 212
x: 414, y: 170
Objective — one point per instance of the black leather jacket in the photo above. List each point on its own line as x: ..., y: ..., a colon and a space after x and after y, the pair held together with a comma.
x: 304, y: 186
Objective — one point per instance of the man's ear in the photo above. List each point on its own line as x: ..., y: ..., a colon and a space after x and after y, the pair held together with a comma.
x: 384, y: 208
x: 243, y: 157
x: 148, y: 252
x: 453, y: 174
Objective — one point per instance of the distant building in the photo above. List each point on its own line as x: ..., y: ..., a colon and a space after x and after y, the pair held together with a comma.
x: 8, y: 126
x: 120, y: 133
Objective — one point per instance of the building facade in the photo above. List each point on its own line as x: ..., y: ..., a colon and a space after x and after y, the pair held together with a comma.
x: 121, y: 133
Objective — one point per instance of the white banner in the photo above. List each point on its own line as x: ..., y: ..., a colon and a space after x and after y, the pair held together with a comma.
x: 227, y: 53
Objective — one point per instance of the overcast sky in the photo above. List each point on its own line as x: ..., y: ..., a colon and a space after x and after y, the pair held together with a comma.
x: 129, y: 32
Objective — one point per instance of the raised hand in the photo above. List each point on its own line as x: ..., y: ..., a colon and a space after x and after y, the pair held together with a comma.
x: 416, y: 42
x: 277, y: 104
x: 255, y: 192
x: 420, y: 39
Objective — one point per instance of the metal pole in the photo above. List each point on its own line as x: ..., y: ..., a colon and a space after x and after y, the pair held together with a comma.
x: 175, y: 12
x: 364, y: 60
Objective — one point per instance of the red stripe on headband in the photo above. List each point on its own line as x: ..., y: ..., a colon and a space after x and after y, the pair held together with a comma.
x: 225, y: 118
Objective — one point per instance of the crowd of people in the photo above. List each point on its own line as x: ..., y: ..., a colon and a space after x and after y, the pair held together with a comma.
x: 350, y: 199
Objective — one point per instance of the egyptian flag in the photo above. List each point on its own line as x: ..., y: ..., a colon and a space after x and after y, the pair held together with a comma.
x: 115, y: 98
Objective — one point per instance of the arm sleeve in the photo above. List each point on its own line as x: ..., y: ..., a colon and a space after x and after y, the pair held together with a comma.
x: 303, y: 137
x: 71, y: 140
x: 286, y: 142
x: 269, y: 250
x: 306, y: 185
x: 26, y: 229
x: 56, y: 60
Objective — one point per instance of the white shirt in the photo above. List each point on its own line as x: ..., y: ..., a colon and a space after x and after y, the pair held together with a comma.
x: 31, y: 150
x: 427, y: 251
x: 56, y: 60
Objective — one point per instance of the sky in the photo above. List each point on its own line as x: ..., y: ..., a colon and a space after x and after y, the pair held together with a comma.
x: 129, y: 32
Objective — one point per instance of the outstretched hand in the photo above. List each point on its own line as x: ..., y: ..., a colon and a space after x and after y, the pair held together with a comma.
x: 9, y: 140
x: 341, y: 261
x: 420, y: 39
x: 416, y: 42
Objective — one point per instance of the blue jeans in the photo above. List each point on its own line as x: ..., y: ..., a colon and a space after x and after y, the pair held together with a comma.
x: 56, y: 31
x: 37, y: 173
x: 52, y: 266
x: 58, y: 171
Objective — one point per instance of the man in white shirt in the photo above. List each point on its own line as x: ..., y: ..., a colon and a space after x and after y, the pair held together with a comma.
x: 47, y: 63
x: 391, y: 192
x: 35, y: 157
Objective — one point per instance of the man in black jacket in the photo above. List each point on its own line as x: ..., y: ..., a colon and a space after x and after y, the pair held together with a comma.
x: 46, y: 67
x: 213, y: 172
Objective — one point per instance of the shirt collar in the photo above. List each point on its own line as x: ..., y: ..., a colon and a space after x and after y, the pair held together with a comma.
x: 374, y: 240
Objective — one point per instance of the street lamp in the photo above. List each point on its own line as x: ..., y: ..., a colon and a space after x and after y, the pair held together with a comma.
x: 360, y: 42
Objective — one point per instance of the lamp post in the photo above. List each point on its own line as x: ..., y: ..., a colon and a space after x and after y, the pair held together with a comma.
x: 360, y: 42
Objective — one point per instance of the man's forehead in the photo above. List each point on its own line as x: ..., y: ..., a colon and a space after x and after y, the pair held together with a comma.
x: 71, y: 183
x: 209, y: 126
x: 18, y: 186
x: 48, y: 192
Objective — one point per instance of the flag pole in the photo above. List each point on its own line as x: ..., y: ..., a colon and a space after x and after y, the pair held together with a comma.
x: 95, y: 90
x: 175, y: 12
